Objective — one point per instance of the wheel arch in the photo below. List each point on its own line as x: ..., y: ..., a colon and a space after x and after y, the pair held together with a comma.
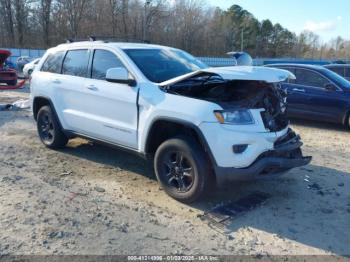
x: 174, y: 127
x: 346, y: 117
x: 39, y: 102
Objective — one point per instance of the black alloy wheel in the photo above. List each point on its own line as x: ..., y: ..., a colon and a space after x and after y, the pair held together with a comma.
x: 183, y: 169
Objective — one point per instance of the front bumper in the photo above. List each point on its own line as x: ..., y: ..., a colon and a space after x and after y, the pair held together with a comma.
x: 285, y: 155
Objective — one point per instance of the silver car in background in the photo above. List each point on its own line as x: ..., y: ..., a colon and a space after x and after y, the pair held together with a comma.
x: 29, y: 68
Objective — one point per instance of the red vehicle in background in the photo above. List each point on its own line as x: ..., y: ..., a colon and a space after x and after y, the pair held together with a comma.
x: 7, y: 75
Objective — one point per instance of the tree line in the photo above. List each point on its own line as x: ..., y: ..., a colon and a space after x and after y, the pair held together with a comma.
x: 191, y: 25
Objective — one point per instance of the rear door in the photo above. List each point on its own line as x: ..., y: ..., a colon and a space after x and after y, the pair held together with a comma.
x: 111, y: 112
x: 316, y: 101
x: 73, y: 98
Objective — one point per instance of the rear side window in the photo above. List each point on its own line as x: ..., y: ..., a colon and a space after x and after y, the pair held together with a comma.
x: 53, y: 63
x: 347, y: 72
x: 104, y: 60
x: 310, y: 78
x: 338, y: 70
x: 76, y: 63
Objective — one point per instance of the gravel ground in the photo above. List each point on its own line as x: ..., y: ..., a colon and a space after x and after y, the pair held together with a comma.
x: 91, y: 199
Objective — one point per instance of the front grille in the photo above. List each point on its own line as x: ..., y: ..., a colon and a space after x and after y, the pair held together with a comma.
x: 274, y: 123
x: 289, y: 136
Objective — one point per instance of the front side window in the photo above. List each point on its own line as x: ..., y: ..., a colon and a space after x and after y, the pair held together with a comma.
x: 310, y: 78
x: 159, y: 65
x: 104, y: 60
x: 76, y: 63
x: 290, y: 69
x: 53, y: 63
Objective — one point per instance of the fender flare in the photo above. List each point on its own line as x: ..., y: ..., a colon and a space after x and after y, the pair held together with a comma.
x: 188, y: 124
x: 50, y: 104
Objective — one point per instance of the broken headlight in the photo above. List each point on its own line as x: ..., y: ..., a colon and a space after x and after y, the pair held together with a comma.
x: 235, y: 117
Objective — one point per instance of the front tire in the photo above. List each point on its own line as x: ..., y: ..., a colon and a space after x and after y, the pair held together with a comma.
x: 182, y: 169
x: 49, y: 129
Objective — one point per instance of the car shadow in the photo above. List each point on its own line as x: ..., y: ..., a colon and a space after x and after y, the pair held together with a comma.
x: 319, y: 124
x: 309, y: 205
x: 110, y: 156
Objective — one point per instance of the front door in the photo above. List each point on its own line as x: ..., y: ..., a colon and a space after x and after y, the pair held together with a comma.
x: 111, y: 110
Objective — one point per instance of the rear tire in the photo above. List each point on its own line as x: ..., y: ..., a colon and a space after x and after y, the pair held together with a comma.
x: 182, y: 169
x: 49, y: 130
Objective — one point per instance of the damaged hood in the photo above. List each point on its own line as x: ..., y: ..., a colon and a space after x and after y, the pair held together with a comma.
x: 253, y: 73
x: 4, y: 54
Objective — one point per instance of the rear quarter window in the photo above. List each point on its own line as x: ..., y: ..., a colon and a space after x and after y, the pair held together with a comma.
x: 76, y: 63
x: 53, y: 63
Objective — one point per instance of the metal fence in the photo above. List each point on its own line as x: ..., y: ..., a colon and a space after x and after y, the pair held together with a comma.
x: 17, y: 52
x: 210, y: 61
x: 217, y: 61
x: 266, y: 61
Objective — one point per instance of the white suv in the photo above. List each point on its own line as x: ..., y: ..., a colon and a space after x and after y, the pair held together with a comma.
x: 200, y: 125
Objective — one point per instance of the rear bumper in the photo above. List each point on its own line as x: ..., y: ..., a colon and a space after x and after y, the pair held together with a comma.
x: 285, y: 156
x: 6, y: 77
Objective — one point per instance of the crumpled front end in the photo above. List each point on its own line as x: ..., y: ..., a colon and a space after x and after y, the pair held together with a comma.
x: 284, y: 154
x: 250, y: 138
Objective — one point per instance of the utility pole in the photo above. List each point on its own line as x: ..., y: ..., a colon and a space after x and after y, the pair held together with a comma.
x: 242, y: 40
x: 145, y: 26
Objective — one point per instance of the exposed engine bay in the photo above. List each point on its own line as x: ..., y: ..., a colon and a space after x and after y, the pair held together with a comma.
x: 238, y: 94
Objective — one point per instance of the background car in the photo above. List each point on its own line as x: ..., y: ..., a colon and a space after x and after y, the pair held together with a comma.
x: 9, y: 64
x: 22, y: 61
x: 317, y: 93
x: 341, y: 69
x: 7, y: 75
x: 29, y: 68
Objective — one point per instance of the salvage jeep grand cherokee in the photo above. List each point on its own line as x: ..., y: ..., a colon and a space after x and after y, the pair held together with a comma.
x: 200, y: 125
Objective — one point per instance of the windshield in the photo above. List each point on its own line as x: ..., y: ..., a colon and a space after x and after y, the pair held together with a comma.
x: 337, y: 78
x: 159, y: 65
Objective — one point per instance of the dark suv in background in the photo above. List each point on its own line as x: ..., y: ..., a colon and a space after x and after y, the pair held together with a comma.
x: 341, y: 69
x: 317, y: 93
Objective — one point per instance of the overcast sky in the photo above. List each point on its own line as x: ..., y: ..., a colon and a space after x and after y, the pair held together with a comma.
x: 327, y: 18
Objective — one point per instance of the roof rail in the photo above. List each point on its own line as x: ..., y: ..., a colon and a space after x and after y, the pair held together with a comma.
x: 107, y: 39
x: 71, y: 40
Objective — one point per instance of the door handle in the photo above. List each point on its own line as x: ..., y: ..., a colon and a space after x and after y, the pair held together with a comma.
x: 56, y: 81
x: 299, y: 90
x: 92, y: 88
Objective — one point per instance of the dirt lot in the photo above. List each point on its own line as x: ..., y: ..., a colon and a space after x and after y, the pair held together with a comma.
x: 90, y: 199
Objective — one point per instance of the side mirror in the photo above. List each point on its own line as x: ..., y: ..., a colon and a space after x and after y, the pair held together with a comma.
x: 330, y: 87
x: 119, y: 75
